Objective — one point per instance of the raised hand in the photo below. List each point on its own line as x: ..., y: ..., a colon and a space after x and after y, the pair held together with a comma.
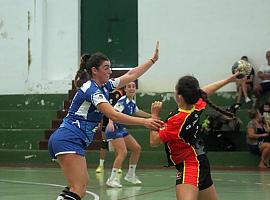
x: 156, y: 53
x: 156, y: 109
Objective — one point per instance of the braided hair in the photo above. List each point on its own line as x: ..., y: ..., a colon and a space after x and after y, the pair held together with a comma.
x: 188, y: 87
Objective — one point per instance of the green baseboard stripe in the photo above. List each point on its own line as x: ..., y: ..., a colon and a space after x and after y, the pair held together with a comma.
x: 148, y: 158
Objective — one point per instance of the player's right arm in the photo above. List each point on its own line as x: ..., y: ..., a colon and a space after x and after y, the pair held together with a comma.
x: 115, y: 116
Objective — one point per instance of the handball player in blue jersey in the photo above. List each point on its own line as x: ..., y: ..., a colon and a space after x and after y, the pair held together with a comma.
x: 69, y: 141
x: 118, y: 134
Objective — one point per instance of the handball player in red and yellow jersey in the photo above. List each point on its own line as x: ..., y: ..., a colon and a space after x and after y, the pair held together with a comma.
x: 181, y: 134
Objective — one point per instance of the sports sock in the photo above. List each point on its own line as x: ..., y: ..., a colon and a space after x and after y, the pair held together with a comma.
x: 101, y: 162
x: 131, y: 170
x: 114, y: 173
x: 63, y: 193
x: 72, y: 196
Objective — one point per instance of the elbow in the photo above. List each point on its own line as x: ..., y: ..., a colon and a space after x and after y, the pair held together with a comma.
x: 154, y: 143
x: 114, y: 117
x: 112, y: 114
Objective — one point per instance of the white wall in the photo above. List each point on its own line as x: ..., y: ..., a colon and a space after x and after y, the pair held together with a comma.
x: 52, y: 27
x: 202, y: 38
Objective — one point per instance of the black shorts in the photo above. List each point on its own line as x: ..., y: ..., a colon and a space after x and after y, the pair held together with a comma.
x: 105, y: 145
x: 265, y: 86
x: 105, y: 122
x: 195, y: 171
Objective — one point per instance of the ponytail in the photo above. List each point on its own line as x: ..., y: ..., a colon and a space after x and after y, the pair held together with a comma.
x: 204, y: 96
x: 82, y: 68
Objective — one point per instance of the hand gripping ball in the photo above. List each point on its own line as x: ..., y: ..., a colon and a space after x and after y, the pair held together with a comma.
x: 243, y: 67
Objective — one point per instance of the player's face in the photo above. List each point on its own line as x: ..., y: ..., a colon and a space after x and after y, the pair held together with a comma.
x: 104, y: 71
x: 130, y: 89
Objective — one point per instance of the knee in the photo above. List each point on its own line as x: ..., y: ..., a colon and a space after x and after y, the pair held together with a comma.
x: 122, y: 153
x: 137, y: 148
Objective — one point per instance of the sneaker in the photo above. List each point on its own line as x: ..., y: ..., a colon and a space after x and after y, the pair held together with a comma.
x: 119, y: 171
x: 247, y: 99
x: 132, y: 179
x: 114, y: 183
x: 100, y: 169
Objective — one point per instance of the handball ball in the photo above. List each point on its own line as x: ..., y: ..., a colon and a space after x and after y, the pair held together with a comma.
x: 243, y: 67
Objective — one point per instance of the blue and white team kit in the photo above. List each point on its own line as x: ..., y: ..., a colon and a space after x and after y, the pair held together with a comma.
x: 128, y: 107
x: 81, y: 123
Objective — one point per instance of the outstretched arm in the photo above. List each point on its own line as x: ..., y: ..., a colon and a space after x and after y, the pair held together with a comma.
x: 115, y: 116
x: 141, y: 113
x: 212, y: 87
x: 136, y: 72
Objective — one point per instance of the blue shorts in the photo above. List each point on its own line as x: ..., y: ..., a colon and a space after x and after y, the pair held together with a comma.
x: 117, y: 133
x: 64, y: 141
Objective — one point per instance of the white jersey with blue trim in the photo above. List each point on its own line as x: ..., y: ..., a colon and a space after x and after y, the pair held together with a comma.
x: 126, y: 106
x: 83, y: 115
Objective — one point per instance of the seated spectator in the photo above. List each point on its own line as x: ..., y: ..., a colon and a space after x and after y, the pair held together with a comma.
x: 264, y: 75
x: 244, y: 87
x: 265, y: 112
x: 257, y: 138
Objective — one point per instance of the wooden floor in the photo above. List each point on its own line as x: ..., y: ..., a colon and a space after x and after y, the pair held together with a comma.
x: 158, y: 184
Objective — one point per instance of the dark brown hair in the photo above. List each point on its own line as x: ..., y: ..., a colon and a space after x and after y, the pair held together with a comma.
x: 188, y: 87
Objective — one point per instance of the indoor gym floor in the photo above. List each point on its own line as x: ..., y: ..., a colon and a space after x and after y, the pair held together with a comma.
x: 21, y: 183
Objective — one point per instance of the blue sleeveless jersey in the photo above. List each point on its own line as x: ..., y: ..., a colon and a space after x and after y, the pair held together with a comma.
x: 83, y: 116
x: 126, y: 106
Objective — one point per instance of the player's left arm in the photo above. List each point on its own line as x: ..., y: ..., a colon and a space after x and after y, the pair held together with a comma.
x: 154, y: 139
x: 212, y: 87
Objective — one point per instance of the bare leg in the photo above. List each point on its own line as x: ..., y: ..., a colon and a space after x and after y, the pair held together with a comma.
x: 102, y: 153
x: 208, y: 194
x: 135, y: 148
x: 244, y: 89
x: 257, y: 91
x: 265, y: 149
x: 121, y: 152
x: 239, y: 93
x: 186, y: 192
x: 75, y: 171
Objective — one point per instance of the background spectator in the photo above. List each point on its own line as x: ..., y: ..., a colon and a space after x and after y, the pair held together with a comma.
x: 257, y: 138
x: 244, y: 87
x: 264, y: 75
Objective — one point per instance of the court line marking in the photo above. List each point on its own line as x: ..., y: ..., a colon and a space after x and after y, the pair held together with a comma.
x: 239, y: 181
x: 150, y: 192
x: 96, y: 197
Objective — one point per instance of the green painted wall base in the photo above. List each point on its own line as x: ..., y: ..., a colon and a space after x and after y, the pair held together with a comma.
x: 148, y: 158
